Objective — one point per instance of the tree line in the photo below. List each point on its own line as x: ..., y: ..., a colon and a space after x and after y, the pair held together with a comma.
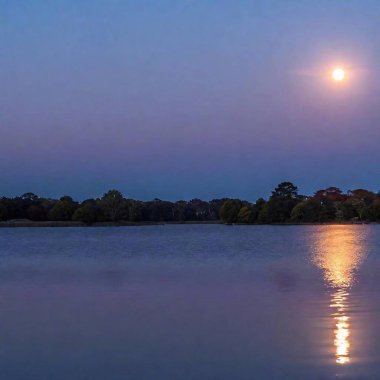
x: 285, y: 205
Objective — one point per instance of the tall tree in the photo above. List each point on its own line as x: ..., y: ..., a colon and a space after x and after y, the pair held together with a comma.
x: 230, y: 210
x: 63, y: 210
x: 113, y: 204
x: 280, y: 205
x: 285, y: 190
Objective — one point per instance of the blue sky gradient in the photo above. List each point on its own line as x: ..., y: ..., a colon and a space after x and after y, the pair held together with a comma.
x: 183, y: 99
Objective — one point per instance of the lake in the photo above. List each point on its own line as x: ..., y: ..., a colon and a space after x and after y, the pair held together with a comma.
x: 190, y: 302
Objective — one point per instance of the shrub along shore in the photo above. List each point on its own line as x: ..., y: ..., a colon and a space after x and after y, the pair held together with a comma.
x: 284, y: 206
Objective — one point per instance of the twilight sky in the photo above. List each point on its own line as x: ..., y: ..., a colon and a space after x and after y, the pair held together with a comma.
x: 192, y: 98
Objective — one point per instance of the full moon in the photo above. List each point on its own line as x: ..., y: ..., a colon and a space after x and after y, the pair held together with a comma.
x: 338, y: 74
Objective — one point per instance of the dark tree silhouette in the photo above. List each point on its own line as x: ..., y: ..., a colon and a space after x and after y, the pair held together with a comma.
x: 284, y: 205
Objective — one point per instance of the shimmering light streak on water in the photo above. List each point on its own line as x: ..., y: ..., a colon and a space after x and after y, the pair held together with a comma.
x: 339, y: 251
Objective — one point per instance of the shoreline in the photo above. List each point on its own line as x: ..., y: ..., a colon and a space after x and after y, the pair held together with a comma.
x: 62, y: 224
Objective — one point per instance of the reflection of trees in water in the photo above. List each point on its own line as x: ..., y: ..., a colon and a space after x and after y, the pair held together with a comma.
x: 339, y: 250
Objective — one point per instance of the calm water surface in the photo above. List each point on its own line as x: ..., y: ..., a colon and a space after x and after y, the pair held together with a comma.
x: 190, y: 302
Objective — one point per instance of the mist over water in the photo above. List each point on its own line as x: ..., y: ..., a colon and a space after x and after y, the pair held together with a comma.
x: 190, y: 302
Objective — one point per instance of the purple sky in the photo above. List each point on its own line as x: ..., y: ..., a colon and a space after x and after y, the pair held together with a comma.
x: 182, y: 99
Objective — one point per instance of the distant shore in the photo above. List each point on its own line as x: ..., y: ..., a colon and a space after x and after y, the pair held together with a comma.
x: 29, y: 223
x: 284, y: 207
